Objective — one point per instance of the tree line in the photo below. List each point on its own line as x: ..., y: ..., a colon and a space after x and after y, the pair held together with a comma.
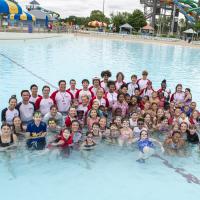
x: 136, y: 19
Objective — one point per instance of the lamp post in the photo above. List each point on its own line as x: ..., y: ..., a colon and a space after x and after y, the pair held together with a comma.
x: 103, y: 5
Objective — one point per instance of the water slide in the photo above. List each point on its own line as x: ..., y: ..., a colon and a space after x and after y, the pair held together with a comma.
x: 189, y: 8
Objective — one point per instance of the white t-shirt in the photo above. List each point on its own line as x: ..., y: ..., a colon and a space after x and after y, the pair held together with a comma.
x: 104, y: 86
x: 133, y: 124
x: 45, y: 105
x: 10, y: 114
x: 136, y: 131
x: 84, y: 93
x: 32, y: 99
x: 131, y: 88
x: 142, y: 83
x: 26, y: 112
x: 118, y: 85
x: 73, y: 91
x: 63, y: 101
x: 83, y: 108
x: 112, y: 98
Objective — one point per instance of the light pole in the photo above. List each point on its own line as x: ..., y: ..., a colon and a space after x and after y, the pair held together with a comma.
x: 103, y: 5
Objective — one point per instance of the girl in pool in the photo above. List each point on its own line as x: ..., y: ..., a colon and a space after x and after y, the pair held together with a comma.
x: 7, y: 138
x: 95, y: 106
x: 18, y: 129
x: 183, y: 118
x: 179, y: 95
x: 114, y: 133
x: 96, y: 132
x: 89, y: 143
x: 164, y: 125
x: 119, y: 80
x: 148, y: 121
x: 133, y: 105
x: 184, y: 128
x: 10, y: 112
x: 148, y: 90
x: 133, y: 120
x: 194, y: 119
x: 121, y: 103
x: 118, y: 121
x: 174, y: 145
x: 188, y: 96
x: 145, y: 146
x: 93, y: 117
x: 126, y: 133
x: 105, y: 75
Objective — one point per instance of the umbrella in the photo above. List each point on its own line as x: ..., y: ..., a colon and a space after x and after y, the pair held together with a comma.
x: 190, y: 31
x: 8, y: 7
x: 24, y: 17
x: 97, y: 24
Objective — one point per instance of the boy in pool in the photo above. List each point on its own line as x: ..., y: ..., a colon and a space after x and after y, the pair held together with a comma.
x: 145, y: 146
x: 52, y: 129
x: 36, y: 131
x: 64, y: 142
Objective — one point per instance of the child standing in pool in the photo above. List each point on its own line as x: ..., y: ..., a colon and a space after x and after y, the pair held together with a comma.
x: 37, y: 131
x: 126, y: 133
x: 145, y: 146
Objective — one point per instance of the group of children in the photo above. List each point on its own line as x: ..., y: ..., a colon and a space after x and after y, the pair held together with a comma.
x: 114, y: 112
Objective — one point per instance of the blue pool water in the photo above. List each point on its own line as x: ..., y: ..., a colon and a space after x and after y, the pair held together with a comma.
x: 108, y: 172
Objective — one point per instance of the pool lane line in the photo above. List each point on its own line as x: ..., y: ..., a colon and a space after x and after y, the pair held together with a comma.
x: 189, y: 177
x: 29, y: 71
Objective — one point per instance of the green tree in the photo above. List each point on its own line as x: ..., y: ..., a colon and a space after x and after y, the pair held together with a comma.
x: 137, y: 19
x: 119, y: 19
x: 197, y: 26
x: 98, y: 16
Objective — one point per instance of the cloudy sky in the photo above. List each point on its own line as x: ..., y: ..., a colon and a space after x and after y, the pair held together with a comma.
x: 83, y: 7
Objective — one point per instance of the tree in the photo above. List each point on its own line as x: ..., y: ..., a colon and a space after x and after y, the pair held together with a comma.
x: 137, y: 19
x: 98, y: 16
x: 182, y: 25
x: 77, y: 20
x: 119, y: 19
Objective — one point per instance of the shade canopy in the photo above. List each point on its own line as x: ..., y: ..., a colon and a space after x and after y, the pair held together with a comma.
x: 8, y: 7
x: 97, y: 24
x: 190, y: 31
x: 34, y: 2
x: 24, y: 17
x: 126, y: 26
x: 148, y: 27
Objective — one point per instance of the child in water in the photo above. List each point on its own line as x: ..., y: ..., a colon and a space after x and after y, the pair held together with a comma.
x: 114, y: 133
x: 126, y: 133
x: 145, y: 146
x: 89, y: 143
x: 64, y: 141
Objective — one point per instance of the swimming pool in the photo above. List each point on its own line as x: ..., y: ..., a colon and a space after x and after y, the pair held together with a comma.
x: 109, y: 172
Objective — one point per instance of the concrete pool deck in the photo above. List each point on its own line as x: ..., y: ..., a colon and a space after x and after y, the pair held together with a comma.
x: 27, y: 36
x: 6, y: 36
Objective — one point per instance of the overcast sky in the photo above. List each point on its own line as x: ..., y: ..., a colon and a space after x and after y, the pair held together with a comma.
x: 84, y: 7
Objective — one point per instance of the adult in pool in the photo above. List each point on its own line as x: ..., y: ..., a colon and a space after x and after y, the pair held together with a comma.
x: 146, y: 146
x: 7, y: 138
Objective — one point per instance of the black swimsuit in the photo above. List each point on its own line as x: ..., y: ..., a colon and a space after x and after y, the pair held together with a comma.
x: 2, y: 144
